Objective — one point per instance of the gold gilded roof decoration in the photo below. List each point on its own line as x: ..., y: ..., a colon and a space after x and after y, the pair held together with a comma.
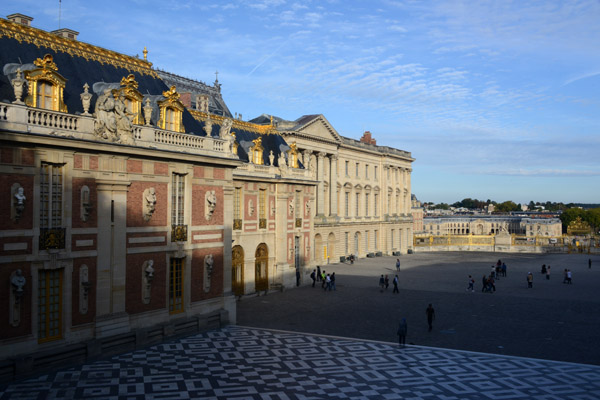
x: 237, y: 124
x: 41, y: 38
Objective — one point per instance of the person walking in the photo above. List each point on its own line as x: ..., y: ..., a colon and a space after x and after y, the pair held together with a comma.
x: 318, y: 273
x: 589, y: 263
x: 548, y: 273
x: 387, y: 282
x: 332, y: 281
x: 327, y: 283
x: 471, y: 283
x: 381, y: 283
x: 323, y: 276
x: 530, y: 280
x: 402, y: 330
x: 313, y: 276
x: 395, y: 282
x: 503, y: 270
x: 569, y: 276
x: 430, y: 316
x: 398, y: 264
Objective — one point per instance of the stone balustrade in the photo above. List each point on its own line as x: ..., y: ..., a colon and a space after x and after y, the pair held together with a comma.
x: 21, y: 118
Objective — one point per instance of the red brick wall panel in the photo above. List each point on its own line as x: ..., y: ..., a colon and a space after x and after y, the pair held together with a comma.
x: 219, y: 173
x: 158, y: 297
x: 134, y: 166
x: 94, y: 162
x: 6, y: 155
x: 78, y: 161
x: 197, y: 274
x: 27, y: 157
x: 135, y: 205
x: 6, y: 199
x: 199, y: 205
x: 161, y: 169
x: 77, y: 317
x: 92, y: 220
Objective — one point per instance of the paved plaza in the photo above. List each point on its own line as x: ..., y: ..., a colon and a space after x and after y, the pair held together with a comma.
x: 310, y: 344
x: 244, y: 363
x: 552, y: 320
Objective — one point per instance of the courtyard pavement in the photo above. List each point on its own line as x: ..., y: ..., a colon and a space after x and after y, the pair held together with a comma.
x: 309, y: 344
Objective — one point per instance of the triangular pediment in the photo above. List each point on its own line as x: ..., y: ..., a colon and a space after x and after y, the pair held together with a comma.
x: 317, y: 126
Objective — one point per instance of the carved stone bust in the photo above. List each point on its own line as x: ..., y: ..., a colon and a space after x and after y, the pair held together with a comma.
x: 149, y: 203
x: 211, y: 203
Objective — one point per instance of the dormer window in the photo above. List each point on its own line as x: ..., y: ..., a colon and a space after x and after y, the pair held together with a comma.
x: 256, y: 152
x: 293, y: 155
x: 171, y: 111
x: 133, y: 98
x: 46, y: 85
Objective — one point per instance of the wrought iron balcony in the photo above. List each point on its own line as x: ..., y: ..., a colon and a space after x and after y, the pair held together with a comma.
x: 298, y: 222
x: 262, y: 223
x: 237, y: 224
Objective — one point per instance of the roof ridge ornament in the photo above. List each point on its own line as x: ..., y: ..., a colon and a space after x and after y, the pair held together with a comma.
x: 47, y: 63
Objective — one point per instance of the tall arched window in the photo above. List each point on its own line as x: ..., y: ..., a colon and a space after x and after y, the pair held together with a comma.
x: 46, y: 85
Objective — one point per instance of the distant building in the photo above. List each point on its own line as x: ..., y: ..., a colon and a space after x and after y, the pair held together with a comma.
x: 492, y: 225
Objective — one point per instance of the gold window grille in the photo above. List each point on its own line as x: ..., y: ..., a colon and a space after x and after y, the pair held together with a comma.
x: 133, y: 98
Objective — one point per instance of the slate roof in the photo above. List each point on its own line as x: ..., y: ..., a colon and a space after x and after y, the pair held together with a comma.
x: 77, y: 70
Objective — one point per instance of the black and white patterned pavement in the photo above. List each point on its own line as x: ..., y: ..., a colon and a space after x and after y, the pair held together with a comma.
x: 247, y: 363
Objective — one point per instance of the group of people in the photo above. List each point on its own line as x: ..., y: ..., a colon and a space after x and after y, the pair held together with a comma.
x: 384, y: 283
x: 403, y: 326
x: 327, y: 280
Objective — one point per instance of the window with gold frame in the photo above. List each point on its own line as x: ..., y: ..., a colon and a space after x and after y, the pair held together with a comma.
x: 256, y: 152
x: 171, y: 111
x: 50, y: 304
x: 293, y: 155
x: 45, y: 85
x: 237, y: 208
x: 133, y: 98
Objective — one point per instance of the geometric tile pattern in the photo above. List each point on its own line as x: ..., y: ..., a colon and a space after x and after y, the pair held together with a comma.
x: 247, y: 363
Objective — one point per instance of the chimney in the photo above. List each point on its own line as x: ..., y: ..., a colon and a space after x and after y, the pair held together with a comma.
x: 366, y: 138
x: 66, y: 33
x: 20, y: 19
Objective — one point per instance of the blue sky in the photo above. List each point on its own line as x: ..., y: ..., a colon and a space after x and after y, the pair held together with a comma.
x: 495, y: 99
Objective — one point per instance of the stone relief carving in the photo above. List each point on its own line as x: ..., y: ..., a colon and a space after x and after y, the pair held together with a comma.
x: 307, y: 208
x: 86, y: 98
x: 250, y: 207
x: 17, y: 284
x: 272, y: 207
x: 225, y: 128
x: 19, y: 200
x: 84, y: 283
x: 210, y: 201
x: 149, y: 203
x: 208, y: 270
x: 147, y: 278
x: 85, y: 203
x: 291, y: 207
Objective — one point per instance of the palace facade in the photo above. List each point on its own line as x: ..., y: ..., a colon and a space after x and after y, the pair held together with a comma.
x: 492, y: 225
x: 136, y: 207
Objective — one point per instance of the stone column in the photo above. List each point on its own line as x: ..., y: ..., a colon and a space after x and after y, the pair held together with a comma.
x: 321, y: 185
x: 333, y: 207
x: 385, y: 192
